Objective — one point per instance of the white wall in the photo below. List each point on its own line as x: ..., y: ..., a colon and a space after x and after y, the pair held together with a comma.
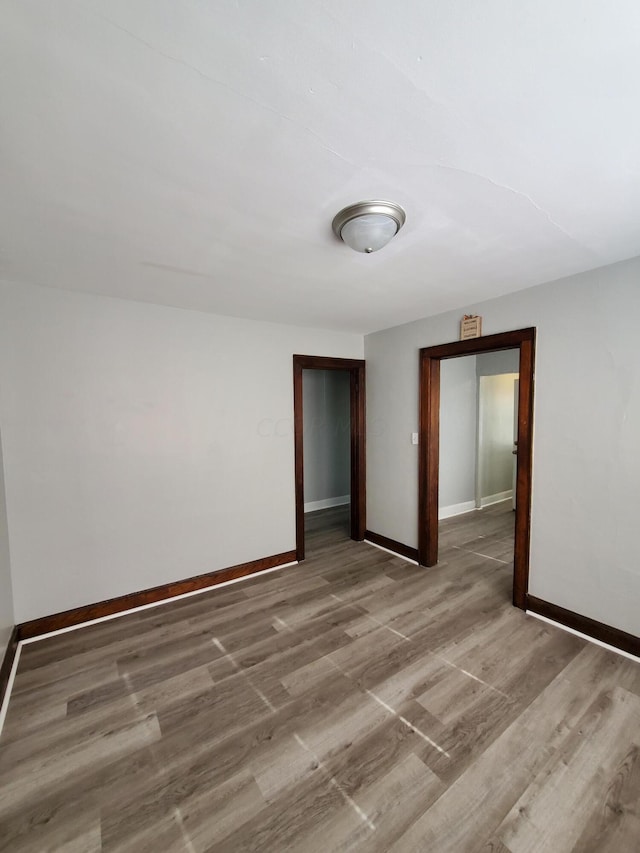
x: 327, y: 438
x: 586, y: 480
x: 6, y: 592
x: 458, y: 415
x: 142, y: 444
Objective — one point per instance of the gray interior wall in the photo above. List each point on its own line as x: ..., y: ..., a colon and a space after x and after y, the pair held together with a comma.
x: 7, y: 619
x: 493, y: 363
x: 495, y: 462
x: 586, y: 471
x: 458, y: 412
x: 496, y: 416
x: 142, y: 444
x: 326, y: 408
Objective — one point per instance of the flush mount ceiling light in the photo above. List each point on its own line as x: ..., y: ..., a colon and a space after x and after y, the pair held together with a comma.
x: 369, y: 225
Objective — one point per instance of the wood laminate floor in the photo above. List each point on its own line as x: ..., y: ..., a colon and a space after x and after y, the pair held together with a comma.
x: 326, y: 528
x: 356, y: 702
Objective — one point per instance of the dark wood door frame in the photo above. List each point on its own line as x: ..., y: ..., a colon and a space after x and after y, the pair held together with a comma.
x: 430, y: 358
x: 357, y: 416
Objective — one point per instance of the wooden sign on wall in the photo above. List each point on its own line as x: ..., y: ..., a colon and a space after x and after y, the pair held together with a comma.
x: 470, y: 326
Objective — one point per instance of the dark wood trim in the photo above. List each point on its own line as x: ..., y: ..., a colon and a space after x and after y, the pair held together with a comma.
x: 524, y: 468
x: 488, y: 343
x: 7, y: 662
x: 429, y: 449
x: 429, y: 460
x: 78, y: 615
x: 391, y: 545
x: 598, y: 630
x: 321, y: 362
x: 358, y: 453
x: 298, y: 430
x: 356, y: 368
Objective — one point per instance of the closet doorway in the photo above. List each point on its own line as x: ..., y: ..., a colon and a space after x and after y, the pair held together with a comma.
x: 356, y: 372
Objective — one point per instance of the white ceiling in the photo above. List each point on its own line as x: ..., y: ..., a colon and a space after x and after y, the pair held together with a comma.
x: 193, y: 153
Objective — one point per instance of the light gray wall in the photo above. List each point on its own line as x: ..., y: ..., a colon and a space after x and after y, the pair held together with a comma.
x: 493, y: 363
x: 7, y: 620
x: 458, y: 412
x: 142, y: 444
x: 325, y: 404
x: 496, y: 415
x: 495, y: 462
x: 586, y: 477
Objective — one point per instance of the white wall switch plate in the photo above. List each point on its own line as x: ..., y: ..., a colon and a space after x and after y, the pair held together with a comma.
x: 414, y: 438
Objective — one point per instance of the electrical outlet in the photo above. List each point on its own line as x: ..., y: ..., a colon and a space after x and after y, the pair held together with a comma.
x: 414, y: 438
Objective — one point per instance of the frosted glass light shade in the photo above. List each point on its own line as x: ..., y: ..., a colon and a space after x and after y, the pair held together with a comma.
x: 368, y: 225
x: 369, y: 233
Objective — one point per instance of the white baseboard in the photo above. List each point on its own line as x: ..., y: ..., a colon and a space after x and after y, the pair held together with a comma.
x: 7, y: 693
x: 456, y: 509
x: 497, y: 498
x: 312, y: 506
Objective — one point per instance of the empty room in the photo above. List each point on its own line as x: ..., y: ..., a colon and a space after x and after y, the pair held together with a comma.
x: 319, y: 419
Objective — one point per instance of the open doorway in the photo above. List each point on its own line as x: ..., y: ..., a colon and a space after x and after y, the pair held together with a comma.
x: 319, y: 390
x: 478, y: 435
x: 522, y: 341
x: 497, y: 428
x: 327, y: 479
